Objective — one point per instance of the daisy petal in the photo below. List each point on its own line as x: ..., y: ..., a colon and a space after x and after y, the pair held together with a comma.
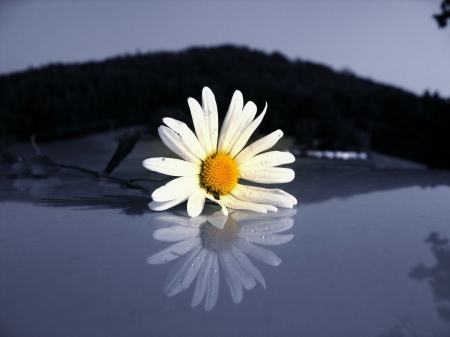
x: 174, y: 251
x: 178, y: 272
x: 267, y: 175
x: 231, y: 122
x: 246, y: 134
x: 247, y: 281
x: 188, y: 137
x: 232, y: 278
x: 219, y: 202
x: 247, y: 265
x: 162, y: 206
x: 266, y: 239
x: 175, y: 188
x: 212, y: 291
x: 261, y: 196
x: 198, y: 119
x: 232, y: 202
x: 244, y: 215
x: 218, y: 219
x: 268, y: 226
x: 272, y: 158
x: 259, y: 253
x: 259, y: 146
x: 202, y: 279
x: 171, y: 167
x: 191, y: 273
x: 196, y: 202
x: 176, y: 233
x: 211, y: 118
x: 174, y: 142
x: 248, y: 113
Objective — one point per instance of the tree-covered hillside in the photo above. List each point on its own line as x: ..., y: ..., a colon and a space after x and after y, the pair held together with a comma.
x: 320, y: 107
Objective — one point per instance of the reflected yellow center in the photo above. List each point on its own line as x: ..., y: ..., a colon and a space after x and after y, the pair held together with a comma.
x: 217, y: 239
x: 219, y: 174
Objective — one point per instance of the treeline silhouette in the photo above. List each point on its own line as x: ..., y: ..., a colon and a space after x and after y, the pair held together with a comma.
x: 320, y: 107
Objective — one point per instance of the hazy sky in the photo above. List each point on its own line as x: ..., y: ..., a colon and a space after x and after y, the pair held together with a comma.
x: 391, y: 41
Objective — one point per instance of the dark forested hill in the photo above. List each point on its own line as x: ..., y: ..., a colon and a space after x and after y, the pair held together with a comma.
x: 320, y: 107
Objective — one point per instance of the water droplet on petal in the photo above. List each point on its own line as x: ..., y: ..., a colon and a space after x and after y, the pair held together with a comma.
x: 215, y: 132
x: 263, y: 237
x: 215, y: 271
x: 207, y: 113
x: 267, y: 173
x: 162, y: 159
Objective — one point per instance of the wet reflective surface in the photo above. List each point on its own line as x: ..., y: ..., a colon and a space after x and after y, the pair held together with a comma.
x: 363, y: 254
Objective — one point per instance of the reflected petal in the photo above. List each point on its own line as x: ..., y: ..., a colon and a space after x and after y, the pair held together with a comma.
x: 208, y: 246
x: 232, y: 277
x: 174, y: 251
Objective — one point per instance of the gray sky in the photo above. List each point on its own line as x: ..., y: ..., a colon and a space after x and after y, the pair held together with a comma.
x: 390, y: 41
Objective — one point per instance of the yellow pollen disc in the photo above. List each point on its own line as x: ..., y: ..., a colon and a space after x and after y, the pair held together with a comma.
x: 219, y: 174
x: 217, y: 239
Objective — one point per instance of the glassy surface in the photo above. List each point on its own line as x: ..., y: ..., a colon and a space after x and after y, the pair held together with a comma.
x: 364, y: 253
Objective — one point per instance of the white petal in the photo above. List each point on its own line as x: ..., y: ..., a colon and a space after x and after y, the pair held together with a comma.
x: 202, y: 279
x: 191, y: 273
x: 219, y: 202
x: 232, y: 278
x: 231, y: 122
x: 167, y: 220
x: 178, y: 272
x: 261, y: 196
x: 267, y: 226
x: 272, y: 158
x: 247, y: 281
x: 259, y: 253
x: 212, y: 291
x: 174, y: 251
x: 211, y: 118
x: 196, y: 202
x: 197, y: 221
x: 269, y: 208
x: 259, y: 146
x: 174, y: 142
x: 267, y: 192
x: 218, y: 219
x: 247, y: 265
x: 248, y: 113
x: 176, y: 233
x: 266, y: 239
x: 175, y: 188
x: 162, y: 206
x: 188, y: 137
x: 198, y: 119
x: 171, y: 167
x: 232, y: 202
x: 244, y: 215
x: 267, y: 175
x: 246, y: 134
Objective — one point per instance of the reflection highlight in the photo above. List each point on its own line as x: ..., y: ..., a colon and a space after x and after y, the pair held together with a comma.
x: 206, y: 250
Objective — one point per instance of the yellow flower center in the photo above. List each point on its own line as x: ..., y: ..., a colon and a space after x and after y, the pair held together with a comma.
x: 219, y: 174
x: 217, y: 239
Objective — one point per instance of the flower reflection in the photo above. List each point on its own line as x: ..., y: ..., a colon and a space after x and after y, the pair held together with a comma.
x: 206, y: 249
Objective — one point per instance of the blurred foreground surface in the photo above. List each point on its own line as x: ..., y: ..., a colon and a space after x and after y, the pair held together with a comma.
x: 73, y: 254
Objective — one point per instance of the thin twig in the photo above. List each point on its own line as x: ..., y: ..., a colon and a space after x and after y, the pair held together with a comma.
x: 36, y: 148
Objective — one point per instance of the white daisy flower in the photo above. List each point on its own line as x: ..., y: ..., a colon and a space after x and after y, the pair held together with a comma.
x: 214, y: 164
x: 206, y: 249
